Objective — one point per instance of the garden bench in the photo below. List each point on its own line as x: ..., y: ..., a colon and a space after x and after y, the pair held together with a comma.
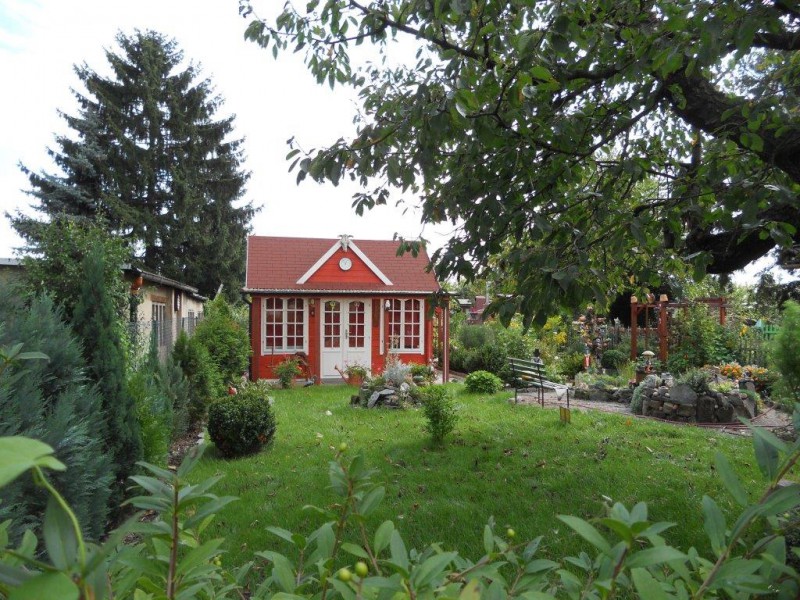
x: 529, y: 374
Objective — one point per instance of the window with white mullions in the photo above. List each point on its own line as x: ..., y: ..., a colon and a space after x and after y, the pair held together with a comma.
x: 405, y: 325
x: 284, y: 325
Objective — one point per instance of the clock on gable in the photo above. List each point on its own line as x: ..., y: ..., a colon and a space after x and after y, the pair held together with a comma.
x: 345, y: 264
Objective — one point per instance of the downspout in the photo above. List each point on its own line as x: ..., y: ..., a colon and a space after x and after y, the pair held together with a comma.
x: 249, y: 301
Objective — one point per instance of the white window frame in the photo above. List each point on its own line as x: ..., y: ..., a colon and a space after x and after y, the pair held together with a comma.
x: 403, y: 349
x: 266, y: 351
x: 159, y: 309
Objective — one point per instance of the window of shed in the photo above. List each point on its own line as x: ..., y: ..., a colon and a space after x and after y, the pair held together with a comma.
x: 283, y: 325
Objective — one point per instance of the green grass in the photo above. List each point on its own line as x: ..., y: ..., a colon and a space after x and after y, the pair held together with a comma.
x: 516, y: 463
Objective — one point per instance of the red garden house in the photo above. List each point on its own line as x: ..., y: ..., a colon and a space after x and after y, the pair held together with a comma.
x: 338, y: 303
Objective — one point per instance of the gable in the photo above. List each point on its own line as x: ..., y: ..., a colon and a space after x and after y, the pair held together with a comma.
x: 331, y: 271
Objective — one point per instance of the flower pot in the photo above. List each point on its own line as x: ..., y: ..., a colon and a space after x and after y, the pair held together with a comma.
x: 356, y: 380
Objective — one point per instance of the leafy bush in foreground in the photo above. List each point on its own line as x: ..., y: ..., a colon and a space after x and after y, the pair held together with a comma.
x: 242, y: 423
x: 629, y: 556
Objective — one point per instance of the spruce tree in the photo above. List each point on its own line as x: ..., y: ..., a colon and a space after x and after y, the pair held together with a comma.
x: 148, y: 153
x: 96, y: 323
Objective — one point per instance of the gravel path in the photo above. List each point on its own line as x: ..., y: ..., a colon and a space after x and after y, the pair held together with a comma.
x: 771, y: 417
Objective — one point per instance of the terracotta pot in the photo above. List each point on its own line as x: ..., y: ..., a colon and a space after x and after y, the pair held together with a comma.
x: 356, y: 380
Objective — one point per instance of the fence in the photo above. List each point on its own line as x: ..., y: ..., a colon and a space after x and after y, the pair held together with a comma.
x: 164, y: 332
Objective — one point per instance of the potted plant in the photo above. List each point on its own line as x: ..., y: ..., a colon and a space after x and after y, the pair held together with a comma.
x: 356, y: 373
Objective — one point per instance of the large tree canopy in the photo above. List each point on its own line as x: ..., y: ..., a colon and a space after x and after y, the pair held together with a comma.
x: 148, y: 156
x: 579, y: 147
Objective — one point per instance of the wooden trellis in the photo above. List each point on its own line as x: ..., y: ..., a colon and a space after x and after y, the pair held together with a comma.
x: 659, y: 309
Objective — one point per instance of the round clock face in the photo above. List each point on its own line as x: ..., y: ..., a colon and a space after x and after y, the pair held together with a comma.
x: 345, y: 264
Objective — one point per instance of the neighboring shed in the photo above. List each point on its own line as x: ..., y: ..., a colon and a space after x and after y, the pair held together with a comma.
x: 339, y: 302
x: 163, y: 304
x: 10, y: 270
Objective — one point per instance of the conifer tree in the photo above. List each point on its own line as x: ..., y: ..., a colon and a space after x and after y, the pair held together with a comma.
x: 96, y: 324
x: 51, y: 400
x: 148, y: 153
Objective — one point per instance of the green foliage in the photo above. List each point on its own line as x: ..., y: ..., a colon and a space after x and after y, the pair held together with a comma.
x: 571, y: 364
x: 202, y: 374
x: 287, y: 370
x: 161, y: 394
x: 242, y: 423
x: 698, y: 339
x: 626, y: 554
x: 613, y: 358
x: 47, y: 397
x: 440, y: 411
x: 786, y: 354
x: 473, y: 337
x: 227, y: 342
x: 697, y: 379
x: 483, y: 382
x: 637, y: 400
x: 98, y: 326
x: 395, y: 371
x: 426, y: 372
x: 636, y: 96
x: 58, y: 269
x: 148, y: 158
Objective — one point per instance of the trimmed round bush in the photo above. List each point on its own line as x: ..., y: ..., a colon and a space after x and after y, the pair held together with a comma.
x: 613, y: 358
x: 243, y: 423
x: 483, y: 382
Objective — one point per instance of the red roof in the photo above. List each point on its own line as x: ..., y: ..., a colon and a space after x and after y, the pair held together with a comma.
x: 276, y: 264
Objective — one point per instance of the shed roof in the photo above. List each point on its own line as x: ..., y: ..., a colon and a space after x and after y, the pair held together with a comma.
x: 279, y: 264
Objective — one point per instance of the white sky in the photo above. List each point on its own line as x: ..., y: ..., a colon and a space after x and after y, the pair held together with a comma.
x: 41, y: 40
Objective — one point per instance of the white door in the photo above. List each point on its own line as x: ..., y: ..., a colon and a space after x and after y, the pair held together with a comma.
x: 346, y: 335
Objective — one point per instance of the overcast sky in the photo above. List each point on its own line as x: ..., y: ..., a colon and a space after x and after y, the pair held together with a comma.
x: 41, y: 40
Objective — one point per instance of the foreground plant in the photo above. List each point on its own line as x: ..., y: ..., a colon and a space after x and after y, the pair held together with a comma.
x: 343, y: 559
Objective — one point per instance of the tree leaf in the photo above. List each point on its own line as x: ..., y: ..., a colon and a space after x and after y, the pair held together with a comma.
x: 46, y: 585
x: 18, y: 454
x: 587, y: 532
x: 59, y: 535
x: 729, y: 478
x: 654, y: 556
x: 714, y: 524
x: 647, y: 586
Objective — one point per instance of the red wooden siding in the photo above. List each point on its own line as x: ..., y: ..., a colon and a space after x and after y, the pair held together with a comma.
x: 330, y: 272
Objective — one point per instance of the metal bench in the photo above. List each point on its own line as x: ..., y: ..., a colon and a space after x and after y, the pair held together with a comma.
x: 529, y: 374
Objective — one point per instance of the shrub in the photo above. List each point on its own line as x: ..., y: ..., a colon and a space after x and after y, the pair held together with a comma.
x: 227, y: 341
x: 286, y: 372
x: 483, y: 382
x: 613, y: 358
x: 637, y: 401
x: 697, y: 379
x: 440, y: 412
x: 242, y: 423
x: 51, y: 400
x: 96, y: 322
x: 202, y: 374
x: 785, y: 355
x: 571, y: 364
x: 153, y: 414
x: 424, y: 371
x: 395, y: 372
x: 731, y: 370
x: 476, y: 336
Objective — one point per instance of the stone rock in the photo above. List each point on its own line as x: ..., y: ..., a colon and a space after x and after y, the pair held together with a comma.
x: 599, y: 395
x: 373, y: 399
x: 622, y: 395
x: 750, y: 405
x: 581, y: 393
x: 686, y: 411
x: 669, y: 407
x: 654, y: 404
x: 681, y: 393
x: 725, y: 412
x: 705, y: 408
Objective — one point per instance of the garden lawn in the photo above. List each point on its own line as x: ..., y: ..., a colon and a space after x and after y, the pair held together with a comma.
x: 517, y: 463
